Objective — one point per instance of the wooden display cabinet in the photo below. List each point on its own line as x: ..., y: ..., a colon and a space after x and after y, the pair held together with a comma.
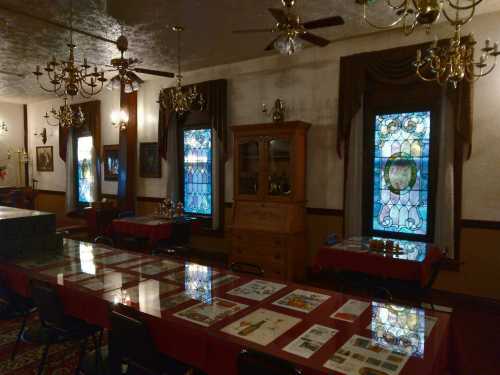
x: 269, y: 198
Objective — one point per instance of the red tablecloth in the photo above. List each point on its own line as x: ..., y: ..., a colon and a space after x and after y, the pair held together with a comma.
x: 208, y: 348
x: 383, y: 265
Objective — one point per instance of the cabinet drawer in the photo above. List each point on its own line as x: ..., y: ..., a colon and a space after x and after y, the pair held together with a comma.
x: 269, y: 254
x: 260, y: 239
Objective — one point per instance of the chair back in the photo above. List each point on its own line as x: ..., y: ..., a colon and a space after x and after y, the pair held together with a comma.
x: 46, y: 299
x: 131, y: 342
x: 251, y: 362
x: 248, y: 268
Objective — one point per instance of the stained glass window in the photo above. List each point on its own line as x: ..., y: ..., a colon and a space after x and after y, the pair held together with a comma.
x: 401, y: 173
x: 85, y: 178
x: 198, y: 171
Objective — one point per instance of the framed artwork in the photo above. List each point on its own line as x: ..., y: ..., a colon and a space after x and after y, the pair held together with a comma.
x: 150, y: 164
x: 111, y: 159
x: 44, y: 159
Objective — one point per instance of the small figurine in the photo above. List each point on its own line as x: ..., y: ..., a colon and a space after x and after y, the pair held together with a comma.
x: 179, y: 209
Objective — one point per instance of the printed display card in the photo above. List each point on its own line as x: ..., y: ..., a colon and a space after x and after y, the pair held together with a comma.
x: 257, y: 290
x: 302, y: 300
x: 350, y: 311
x: 209, y: 314
x: 361, y: 355
x: 310, y: 341
x: 261, y: 326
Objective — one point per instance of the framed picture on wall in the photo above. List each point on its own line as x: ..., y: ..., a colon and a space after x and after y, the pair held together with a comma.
x: 149, y: 160
x: 44, y: 159
x: 111, y: 160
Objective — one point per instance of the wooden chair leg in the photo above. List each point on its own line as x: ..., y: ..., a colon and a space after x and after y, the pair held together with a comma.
x: 18, y: 339
x: 83, y: 347
x: 44, y: 357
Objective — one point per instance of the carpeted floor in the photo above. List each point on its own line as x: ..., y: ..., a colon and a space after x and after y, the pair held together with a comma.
x: 62, y: 357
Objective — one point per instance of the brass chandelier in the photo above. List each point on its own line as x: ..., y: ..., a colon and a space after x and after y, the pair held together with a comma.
x: 408, y: 14
x: 456, y: 61
x: 65, y: 116
x: 68, y: 77
x: 177, y: 98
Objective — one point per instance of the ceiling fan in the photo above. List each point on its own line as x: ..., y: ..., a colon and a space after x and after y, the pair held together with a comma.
x: 126, y: 69
x: 292, y: 32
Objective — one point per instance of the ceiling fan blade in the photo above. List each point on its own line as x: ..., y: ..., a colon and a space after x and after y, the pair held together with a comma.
x: 314, y: 39
x: 154, y: 72
x: 271, y: 45
x: 324, y: 22
x: 279, y: 15
x: 252, y: 31
x: 134, y: 77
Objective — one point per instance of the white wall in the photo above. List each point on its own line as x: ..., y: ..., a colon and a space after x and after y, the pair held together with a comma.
x: 308, y: 83
x: 11, y: 142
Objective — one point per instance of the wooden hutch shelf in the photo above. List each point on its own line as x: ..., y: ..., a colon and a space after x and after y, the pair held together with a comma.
x: 269, y: 198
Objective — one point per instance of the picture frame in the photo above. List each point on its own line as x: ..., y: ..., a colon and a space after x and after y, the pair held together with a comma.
x: 149, y: 160
x: 45, y: 158
x: 111, y: 161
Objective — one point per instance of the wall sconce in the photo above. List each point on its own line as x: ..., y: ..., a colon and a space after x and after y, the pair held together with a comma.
x: 278, y: 111
x: 119, y: 119
x: 3, y: 128
x: 42, y: 135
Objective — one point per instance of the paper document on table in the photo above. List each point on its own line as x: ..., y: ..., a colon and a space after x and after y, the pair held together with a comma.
x: 350, y: 311
x: 361, y: 355
x: 310, y: 341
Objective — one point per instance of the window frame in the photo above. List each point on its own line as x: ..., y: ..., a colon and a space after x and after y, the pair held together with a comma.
x: 377, y: 105
x: 80, y: 133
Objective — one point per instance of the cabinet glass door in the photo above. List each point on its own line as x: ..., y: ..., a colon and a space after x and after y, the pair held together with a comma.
x: 249, y: 165
x: 279, y: 166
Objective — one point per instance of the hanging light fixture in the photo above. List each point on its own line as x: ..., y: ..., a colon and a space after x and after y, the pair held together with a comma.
x: 178, y: 99
x: 408, y: 14
x: 456, y: 61
x: 68, y: 77
x: 451, y: 63
x: 65, y: 116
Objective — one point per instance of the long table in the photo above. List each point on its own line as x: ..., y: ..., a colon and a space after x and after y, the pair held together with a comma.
x: 91, y: 278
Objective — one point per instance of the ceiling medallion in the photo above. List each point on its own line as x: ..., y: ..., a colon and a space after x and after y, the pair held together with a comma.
x: 178, y: 99
x: 65, y: 116
x: 68, y: 77
x: 408, y: 14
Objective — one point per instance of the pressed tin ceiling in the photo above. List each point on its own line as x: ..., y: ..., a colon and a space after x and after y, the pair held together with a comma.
x: 207, y: 41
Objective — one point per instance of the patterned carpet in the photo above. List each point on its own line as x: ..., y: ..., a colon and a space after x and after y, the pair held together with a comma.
x: 61, y: 361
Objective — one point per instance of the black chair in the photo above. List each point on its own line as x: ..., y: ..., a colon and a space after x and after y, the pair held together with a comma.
x: 247, y: 268
x: 179, y: 244
x: 59, y: 325
x: 251, y: 362
x: 131, y: 344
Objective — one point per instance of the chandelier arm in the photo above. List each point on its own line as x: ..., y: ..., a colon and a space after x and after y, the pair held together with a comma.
x: 52, y: 91
x: 483, y: 73
x: 456, y: 5
x: 402, y: 4
x: 381, y: 27
x: 457, y: 21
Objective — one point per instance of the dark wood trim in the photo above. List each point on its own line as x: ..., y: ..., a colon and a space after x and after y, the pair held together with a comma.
x: 26, y: 165
x: 324, y: 211
x: 51, y: 192
x: 480, y: 224
x: 228, y: 204
x: 150, y: 199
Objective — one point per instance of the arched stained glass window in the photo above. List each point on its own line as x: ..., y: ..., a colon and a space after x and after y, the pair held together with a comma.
x: 197, y: 151
x: 401, y: 160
